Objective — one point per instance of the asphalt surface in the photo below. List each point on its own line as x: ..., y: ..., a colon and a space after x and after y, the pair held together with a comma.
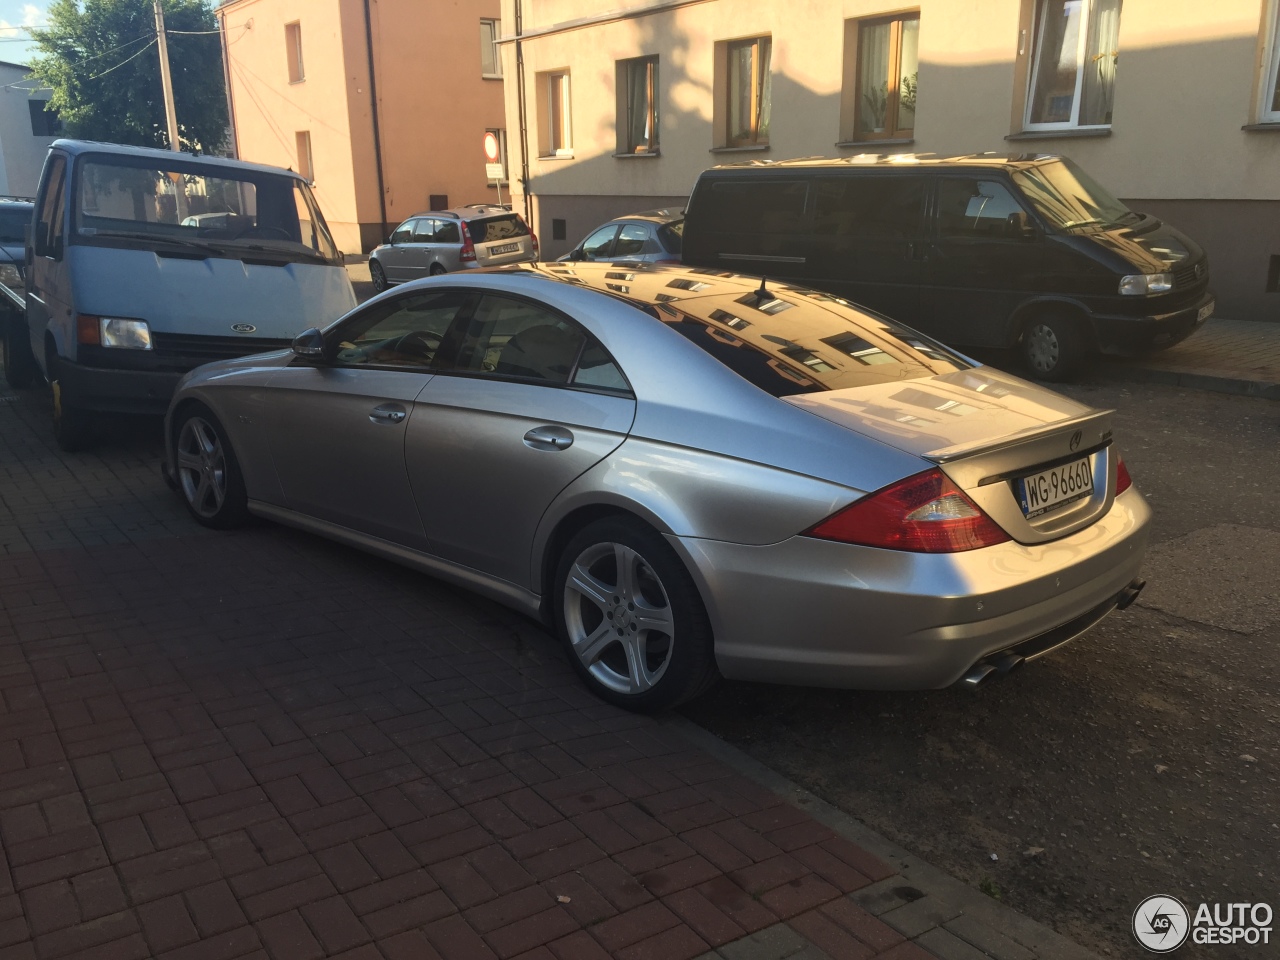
x: 1140, y: 759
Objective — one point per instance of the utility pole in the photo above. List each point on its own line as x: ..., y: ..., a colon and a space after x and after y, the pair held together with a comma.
x: 165, y: 80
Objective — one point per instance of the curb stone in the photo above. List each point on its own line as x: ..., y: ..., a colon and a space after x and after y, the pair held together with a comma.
x: 958, y: 922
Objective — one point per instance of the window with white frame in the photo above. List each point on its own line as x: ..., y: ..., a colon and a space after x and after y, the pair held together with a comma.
x: 490, y: 60
x: 1073, y: 68
x: 1269, y: 108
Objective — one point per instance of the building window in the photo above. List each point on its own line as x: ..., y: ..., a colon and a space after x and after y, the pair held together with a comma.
x: 293, y: 50
x: 44, y: 121
x: 887, y: 62
x: 638, y: 105
x: 502, y: 149
x: 749, y: 87
x: 490, y: 60
x: 1270, y: 112
x: 555, y: 113
x: 1073, y: 69
x: 305, y: 165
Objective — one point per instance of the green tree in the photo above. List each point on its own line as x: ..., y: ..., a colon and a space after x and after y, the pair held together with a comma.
x: 101, y: 60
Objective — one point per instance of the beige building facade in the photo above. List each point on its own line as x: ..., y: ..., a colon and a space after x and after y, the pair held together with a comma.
x: 1172, y: 104
x: 384, y: 104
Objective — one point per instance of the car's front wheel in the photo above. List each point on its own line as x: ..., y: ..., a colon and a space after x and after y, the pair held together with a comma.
x: 631, y: 617
x: 377, y: 275
x: 207, y: 471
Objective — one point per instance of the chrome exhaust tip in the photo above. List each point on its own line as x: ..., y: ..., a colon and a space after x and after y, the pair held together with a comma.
x: 977, y: 675
x: 1130, y: 593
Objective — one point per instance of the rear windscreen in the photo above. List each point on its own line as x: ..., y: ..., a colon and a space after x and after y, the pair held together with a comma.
x: 671, y: 236
x: 497, y: 228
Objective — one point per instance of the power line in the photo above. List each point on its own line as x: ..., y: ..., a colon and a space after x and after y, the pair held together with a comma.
x: 123, y: 62
x: 96, y: 56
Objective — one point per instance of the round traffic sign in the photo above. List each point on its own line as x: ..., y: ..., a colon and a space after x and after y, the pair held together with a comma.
x: 491, y: 147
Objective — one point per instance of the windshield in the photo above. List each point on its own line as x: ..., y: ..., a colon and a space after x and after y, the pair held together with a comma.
x: 218, y: 212
x: 1069, y: 198
x: 13, y: 224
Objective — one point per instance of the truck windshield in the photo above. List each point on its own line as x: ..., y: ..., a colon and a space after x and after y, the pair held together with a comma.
x: 120, y: 199
x: 1070, y: 199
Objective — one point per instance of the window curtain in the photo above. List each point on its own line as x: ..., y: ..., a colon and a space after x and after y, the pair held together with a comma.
x: 638, y: 107
x: 1100, y: 58
x: 1055, y: 64
x: 766, y: 90
x: 874, y: 42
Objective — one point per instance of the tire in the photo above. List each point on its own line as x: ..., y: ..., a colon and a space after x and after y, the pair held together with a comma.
x: 71, y: 423
x: 206, y: 470
x: 19, y: 363
x: 377, y: 275
x: 437, y: 270
x: 601, y: 617
x: 1053, y: 346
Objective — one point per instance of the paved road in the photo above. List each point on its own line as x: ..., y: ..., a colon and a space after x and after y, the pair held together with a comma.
x: 1142, y: 759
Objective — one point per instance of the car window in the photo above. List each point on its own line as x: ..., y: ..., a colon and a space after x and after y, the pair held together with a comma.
x: 404, y: 232
x: 752, y: 206
x: 597, y: 245
x: 424, y: 230
x: 597, y: 369
x: 975, y: 208
x: 671, y: 235
x: 404, y: 332
x: 51, y: 208
x: 497, y: 228
x: 869, y: 207
x: 447, y: 232
x: 517, y: 338
x: 631, y: 240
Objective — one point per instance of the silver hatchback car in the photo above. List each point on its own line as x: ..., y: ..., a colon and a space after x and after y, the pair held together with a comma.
x: 685, y: 473
x: 442, y: 241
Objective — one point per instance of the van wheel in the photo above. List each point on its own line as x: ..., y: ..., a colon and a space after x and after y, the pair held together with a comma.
x: 19, y: 363
x: 1053, y: 345
x: 631, y: 618
x: 377, y: 275
x: 70, y: 422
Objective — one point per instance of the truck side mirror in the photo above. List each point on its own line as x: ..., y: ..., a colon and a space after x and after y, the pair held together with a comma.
x: 1022, y: 226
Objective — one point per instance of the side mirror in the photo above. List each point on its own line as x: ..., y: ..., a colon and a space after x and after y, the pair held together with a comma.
x: 309, y: 345
x: 1022, y: 226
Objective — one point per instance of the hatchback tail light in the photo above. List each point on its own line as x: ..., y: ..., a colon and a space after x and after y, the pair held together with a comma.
x: 1123, y: 480
x: 468, y: 252
x: 925, y: 513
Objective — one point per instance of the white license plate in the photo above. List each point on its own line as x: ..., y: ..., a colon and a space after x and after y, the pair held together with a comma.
x: 1051, y: 489
x: 1205, y: 312
x: 504, y: 248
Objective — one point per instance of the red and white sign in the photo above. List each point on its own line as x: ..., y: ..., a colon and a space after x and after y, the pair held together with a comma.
x: 491, y: 147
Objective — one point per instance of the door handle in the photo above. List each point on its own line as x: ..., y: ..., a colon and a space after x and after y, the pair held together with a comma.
x: 388, y: 413
x: 549, y: 438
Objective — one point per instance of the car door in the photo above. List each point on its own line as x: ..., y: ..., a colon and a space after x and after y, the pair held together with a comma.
x: 632, y: 242
x: 599, y: 245
x: 395, y: 258
x: 337, y: 427
x: 48, y: 287
x: 531, y: 403
x: 982, y: 263
x: 420, y: 251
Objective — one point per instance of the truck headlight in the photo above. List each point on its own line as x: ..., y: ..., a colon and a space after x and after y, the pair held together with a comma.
x: 125, y: 334
x: 1140, y: 284
x: 10, y: 275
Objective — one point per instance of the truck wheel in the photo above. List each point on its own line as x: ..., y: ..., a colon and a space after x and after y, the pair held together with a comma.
x: 19, y: 364
x: 1053, y: 345
x: 70, y: 422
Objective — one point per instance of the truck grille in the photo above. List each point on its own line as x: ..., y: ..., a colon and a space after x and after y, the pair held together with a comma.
x: 199, y: 349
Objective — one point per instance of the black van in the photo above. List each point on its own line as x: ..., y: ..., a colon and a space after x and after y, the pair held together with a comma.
x: 983, y: 250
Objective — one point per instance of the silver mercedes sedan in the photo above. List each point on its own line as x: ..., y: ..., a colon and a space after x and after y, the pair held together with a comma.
x: 685, y: 473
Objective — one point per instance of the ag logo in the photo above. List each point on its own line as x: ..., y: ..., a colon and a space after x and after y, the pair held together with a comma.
x: 1075, y: 440
x: 244, y: 328
x: 1161, y: 924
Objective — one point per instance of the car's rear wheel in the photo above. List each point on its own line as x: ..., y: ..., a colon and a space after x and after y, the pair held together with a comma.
x: 19, y: 362
x: 1053, y: 346
x: 71, y: 423
x: 437, y: 269
x: 631, y: 617
x: 207, y: 471
x: 377, y: 275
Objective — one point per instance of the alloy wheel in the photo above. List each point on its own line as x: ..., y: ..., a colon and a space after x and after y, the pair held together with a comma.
x: 202, y: 467
x: 1042, y: 347
x: 619, y: 618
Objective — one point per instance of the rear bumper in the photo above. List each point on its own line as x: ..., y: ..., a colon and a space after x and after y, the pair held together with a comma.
x: 1130, y: 335
x: 818, y: 613
x: 105, y: 390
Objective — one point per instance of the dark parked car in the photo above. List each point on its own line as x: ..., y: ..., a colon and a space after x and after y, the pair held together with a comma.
x: 15, y: 218
x: 983, y: 250
x: 653, y: 236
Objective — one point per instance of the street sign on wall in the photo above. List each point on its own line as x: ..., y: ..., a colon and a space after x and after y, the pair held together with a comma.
x: 493, y: 171
x: 491, y: 146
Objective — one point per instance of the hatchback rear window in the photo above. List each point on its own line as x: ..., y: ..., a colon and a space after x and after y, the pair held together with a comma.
x: 497, y: 228
x: 671, y: 236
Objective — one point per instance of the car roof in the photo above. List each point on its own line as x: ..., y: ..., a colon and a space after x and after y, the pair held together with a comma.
x: 886, y: 160
x: 652, y: 216
x: 77, y: 147
x: 472, y: 211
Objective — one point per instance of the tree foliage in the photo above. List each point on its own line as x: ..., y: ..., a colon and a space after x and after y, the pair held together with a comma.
x: 102, y: 63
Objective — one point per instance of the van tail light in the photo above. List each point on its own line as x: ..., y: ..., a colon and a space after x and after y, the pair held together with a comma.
x: 925, y: 513
x: 1123, y: 480
x: 468, y: 254
x: 89, y: 330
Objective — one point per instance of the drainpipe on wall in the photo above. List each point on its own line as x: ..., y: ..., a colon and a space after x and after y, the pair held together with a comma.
x: 524, y: 124
x: 226, y: 79
x: 377, y: 134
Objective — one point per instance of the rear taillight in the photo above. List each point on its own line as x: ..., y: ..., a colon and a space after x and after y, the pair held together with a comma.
x: 535, y: 244
x: 925, y: 513
x: 468, y: 252
x: 1123, y: 480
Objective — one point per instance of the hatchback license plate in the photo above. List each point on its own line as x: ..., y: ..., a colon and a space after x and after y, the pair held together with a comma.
x: 1205, y: 312
x: 1051, y: 489
x: 504, y: 248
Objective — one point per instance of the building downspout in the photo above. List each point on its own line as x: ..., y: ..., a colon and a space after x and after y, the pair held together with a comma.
x: 226, y: 78
x: 523, y: 118
x: 377, y: 133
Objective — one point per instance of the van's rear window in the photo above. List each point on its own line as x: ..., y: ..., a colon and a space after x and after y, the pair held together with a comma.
x: 497, y: 228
